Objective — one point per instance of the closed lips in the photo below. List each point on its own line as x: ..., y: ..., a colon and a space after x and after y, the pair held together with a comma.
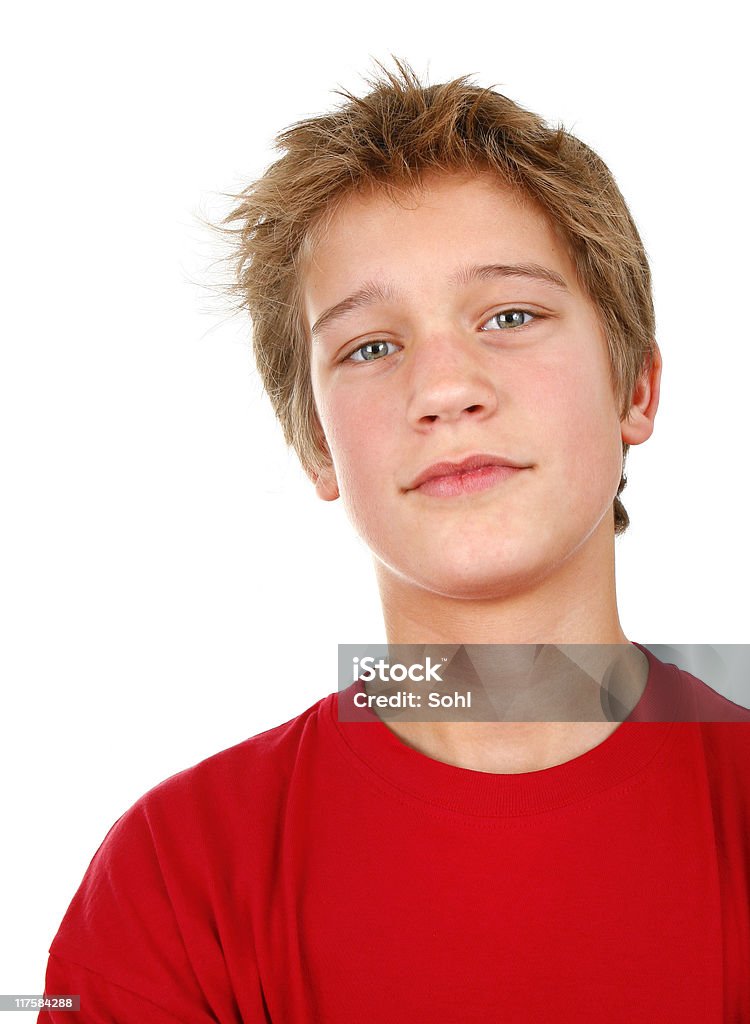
x: 467, y: 465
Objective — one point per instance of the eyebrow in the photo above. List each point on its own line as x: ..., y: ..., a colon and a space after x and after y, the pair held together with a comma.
x: 373, y: 291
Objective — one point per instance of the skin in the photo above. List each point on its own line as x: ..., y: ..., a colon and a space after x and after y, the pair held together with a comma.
x: 530, y: 560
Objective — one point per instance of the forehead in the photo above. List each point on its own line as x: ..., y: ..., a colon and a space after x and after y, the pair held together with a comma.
x: 426, y: 233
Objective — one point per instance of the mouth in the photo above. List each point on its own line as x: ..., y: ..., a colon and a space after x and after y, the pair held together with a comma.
x: 467, y: 476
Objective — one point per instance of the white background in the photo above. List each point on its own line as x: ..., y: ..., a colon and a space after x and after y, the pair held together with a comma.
x: 170, y: 582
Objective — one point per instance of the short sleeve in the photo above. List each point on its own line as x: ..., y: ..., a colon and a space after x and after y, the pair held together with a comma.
x: 144, y: 940
x: 101, y: 1002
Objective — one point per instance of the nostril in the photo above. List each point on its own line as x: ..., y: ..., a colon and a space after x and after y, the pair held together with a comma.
x: 472, y: 408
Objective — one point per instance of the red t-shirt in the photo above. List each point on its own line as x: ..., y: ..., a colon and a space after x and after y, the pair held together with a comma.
x: 325, y: 871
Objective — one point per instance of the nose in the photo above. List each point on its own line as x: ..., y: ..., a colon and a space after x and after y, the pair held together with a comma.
x: 448, y: 384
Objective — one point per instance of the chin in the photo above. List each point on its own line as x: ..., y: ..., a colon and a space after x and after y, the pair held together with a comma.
x: 480, y: 580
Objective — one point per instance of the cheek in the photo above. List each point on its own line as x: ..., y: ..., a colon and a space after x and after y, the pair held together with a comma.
x: 340, y: 418
x: 582, y: 436
x: 359, y: 436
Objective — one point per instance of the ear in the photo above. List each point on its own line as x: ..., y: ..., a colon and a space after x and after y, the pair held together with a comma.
x: 320, y: 469
x: 324, y: 478
x: 638, y: 425
x: 326, y: 484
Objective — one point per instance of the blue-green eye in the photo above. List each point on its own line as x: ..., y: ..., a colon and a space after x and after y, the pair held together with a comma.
x: 510, y: 318
x: 370, y: 351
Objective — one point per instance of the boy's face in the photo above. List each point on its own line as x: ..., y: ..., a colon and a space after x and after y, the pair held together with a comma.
x: 448, y: 372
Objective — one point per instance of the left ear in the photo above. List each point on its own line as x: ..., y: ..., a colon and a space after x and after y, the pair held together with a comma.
x: 638, y: 425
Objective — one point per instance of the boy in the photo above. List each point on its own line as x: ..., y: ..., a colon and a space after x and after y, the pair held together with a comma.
x: 452, y: 314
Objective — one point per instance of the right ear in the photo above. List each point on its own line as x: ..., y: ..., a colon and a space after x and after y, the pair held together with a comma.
x: 326, y: 484
x: 322, y: 474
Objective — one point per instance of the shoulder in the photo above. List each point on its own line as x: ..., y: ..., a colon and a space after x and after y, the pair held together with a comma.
x: 247, y: 777
x: 709, y: 706
x: 211, y: 811
x: 724, y: 728
x: 198, y: 841
x: 252, y: 775
x: 674, y: 694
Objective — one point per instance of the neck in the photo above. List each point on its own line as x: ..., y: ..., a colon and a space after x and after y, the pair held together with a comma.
x: 574, y: 604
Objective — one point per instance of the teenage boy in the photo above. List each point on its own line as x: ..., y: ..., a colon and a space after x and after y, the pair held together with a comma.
x: 453, y: 317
